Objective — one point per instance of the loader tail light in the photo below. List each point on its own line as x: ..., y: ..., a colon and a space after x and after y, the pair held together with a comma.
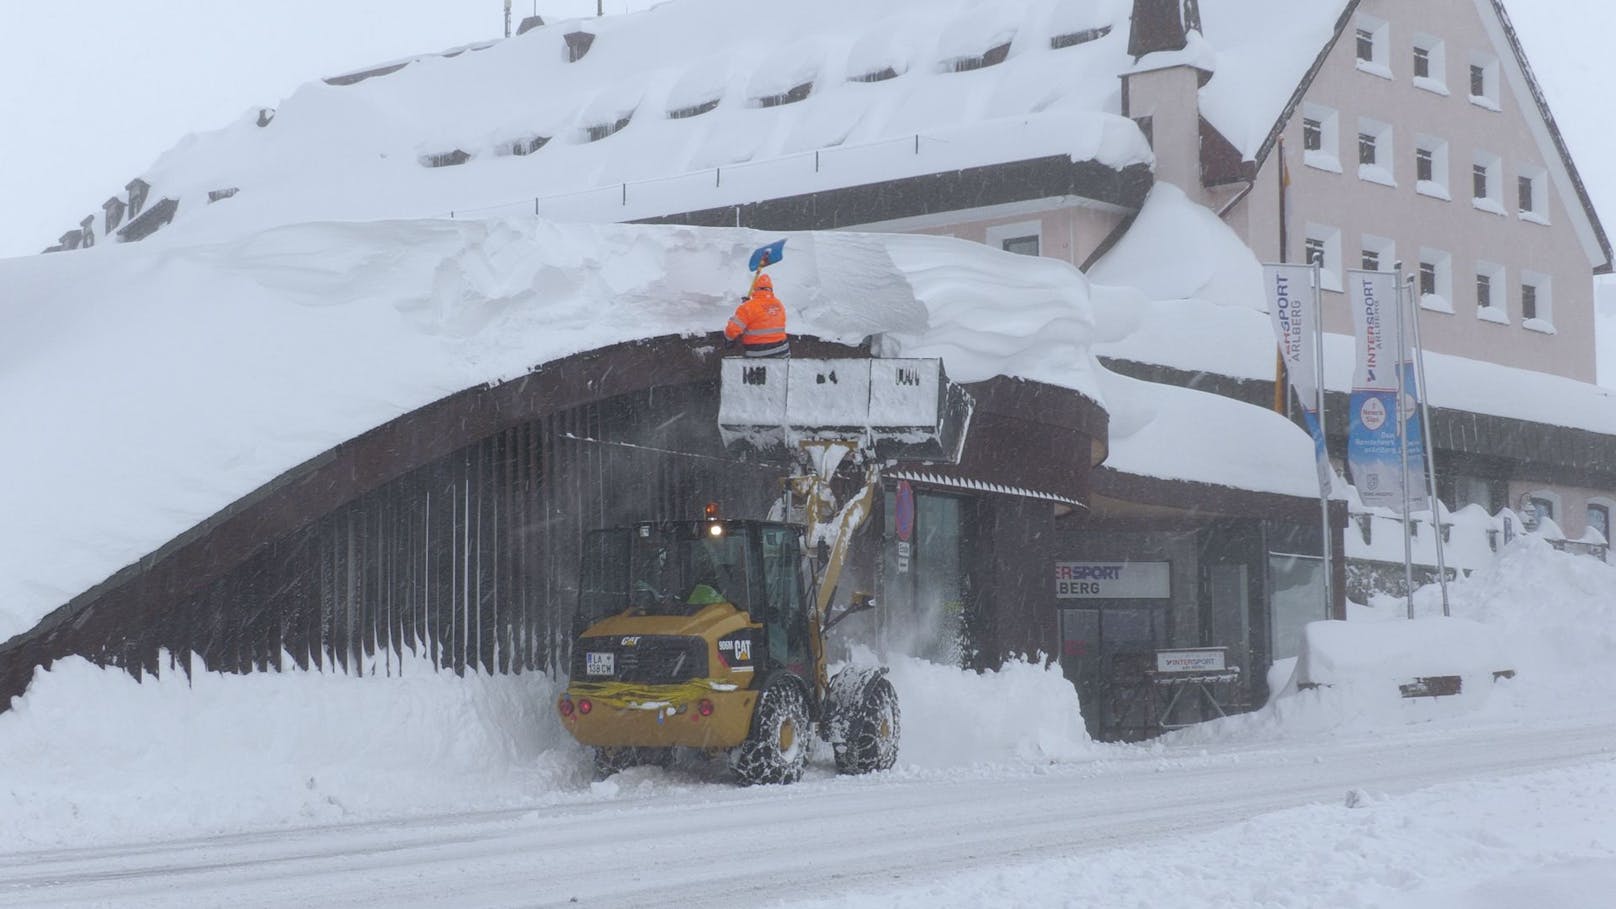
x: 565, y: 706
x: 705, y: 707
x: 584, y: 706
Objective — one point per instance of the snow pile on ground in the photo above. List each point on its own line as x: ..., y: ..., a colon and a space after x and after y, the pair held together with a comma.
x: 1545, y: 615
x: 1023, y: 713
x: 1557, y: 612
x: 91, y: 755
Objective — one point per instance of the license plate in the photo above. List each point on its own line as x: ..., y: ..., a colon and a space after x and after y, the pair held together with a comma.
x: 600, y: 663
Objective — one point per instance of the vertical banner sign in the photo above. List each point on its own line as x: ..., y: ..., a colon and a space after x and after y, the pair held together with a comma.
x: 1291, y: 309
x: 1374, y: 455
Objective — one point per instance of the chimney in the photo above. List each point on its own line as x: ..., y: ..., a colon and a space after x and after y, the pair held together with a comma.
x: 1162, y: 25
x: 1162, y: 93
x: 87, y: 227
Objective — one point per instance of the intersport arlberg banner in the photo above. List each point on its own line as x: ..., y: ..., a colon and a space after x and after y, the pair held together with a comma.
x: 1373, y: 453
x: 1293, y: 308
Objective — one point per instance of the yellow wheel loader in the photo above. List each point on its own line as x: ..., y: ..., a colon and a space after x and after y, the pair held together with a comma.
x: 710, y: 634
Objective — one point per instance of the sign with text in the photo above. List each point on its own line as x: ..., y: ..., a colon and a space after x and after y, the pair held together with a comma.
x: 1385, y: 399
x: 1113, y: 580
x: 1192, y: 659
x: 1293, y: 309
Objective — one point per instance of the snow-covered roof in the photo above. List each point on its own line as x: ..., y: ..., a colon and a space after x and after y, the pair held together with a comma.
x: 163, y: 381
x: 692, y: 105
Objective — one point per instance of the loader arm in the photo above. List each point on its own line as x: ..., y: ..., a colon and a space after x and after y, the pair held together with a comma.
x: 842, y: 526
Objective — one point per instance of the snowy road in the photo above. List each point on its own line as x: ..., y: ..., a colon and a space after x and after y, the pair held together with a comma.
x: 650, y: 841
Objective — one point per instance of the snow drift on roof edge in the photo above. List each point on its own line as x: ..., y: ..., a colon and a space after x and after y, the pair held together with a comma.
x: 233, y: 362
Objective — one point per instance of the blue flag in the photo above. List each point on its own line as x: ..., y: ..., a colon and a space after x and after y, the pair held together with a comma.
x: 765, y: 256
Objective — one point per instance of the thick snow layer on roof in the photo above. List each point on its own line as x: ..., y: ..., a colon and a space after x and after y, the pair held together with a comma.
x: 674, y: 109
x: 163, y: 381
x: 160, y: 382
x: 1210, y: 316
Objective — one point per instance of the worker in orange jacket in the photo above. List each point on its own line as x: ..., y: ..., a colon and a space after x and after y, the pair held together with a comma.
x: 759, y: 322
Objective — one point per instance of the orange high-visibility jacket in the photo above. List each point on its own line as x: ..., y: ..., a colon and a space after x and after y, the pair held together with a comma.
x: 760, y: 319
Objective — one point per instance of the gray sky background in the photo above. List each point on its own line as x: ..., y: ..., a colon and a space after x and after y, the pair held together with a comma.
x: 92, y: 91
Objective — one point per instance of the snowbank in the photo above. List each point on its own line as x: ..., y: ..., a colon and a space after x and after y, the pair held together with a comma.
x: 90, y: 755
x: 1543, y: 614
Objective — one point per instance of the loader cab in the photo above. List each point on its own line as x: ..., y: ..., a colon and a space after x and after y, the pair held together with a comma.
x: 677, y: 568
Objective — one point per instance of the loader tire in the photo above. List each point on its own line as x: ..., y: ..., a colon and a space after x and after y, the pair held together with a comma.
x: 777, y: 749
x: 872, y: 732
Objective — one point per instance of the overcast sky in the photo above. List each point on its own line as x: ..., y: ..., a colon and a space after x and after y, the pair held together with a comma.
x: 92, y: 91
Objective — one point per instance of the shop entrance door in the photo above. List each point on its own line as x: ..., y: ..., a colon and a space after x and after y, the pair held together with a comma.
x: 1106, y: 648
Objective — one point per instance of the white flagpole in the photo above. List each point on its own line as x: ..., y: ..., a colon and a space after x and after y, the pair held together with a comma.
x: 1318, y: 379
x: 1402, y: 446
x: 1430, y: 448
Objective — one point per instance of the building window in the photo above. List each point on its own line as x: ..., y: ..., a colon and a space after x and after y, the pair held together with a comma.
x: 1599, y: 519
x: 1427, y: 278
x: 1375, y: 154
x: 1531, y: 194
x: 1484, y: 81
x: 1491, y: 288
x: 1485, y: 182
x: 1021, y: 246
x: 1537, y: 302
x: 1323, y: 246
x: 1541, y: 508
x: 1431, y: 167
x: 1436, y: 280
x: 1430, y: 64
x: 1320, y: 137
x: 1373, y: 38
x: 1378, y: 252
x: 1023, y: 238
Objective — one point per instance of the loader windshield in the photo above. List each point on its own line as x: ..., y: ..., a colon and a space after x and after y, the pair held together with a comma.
x: 676, y: 569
